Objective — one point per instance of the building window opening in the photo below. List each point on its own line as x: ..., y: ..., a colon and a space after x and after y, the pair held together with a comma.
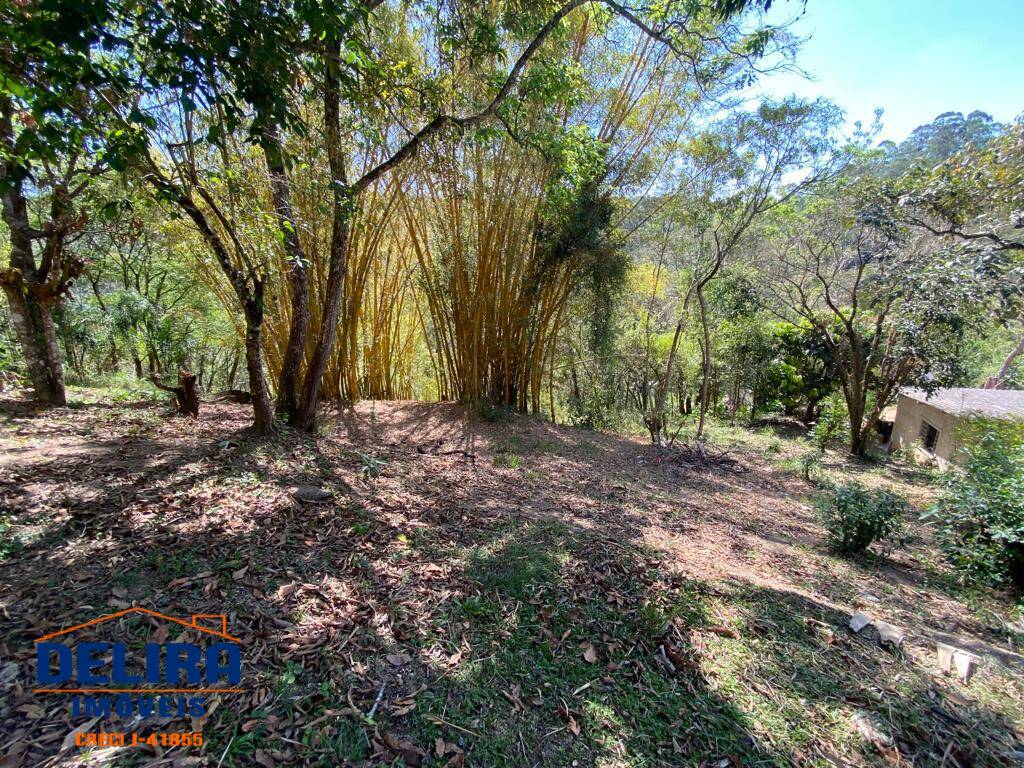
x: 929, y: 436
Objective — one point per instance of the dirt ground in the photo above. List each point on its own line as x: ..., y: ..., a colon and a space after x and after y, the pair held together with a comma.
x: 454, y: 592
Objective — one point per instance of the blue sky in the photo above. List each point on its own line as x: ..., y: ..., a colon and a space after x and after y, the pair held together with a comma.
x: 913, y: 58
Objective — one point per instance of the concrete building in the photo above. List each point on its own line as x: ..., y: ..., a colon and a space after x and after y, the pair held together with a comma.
x: 928, y: 424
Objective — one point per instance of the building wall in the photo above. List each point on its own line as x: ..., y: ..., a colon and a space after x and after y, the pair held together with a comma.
x: 906, y: 430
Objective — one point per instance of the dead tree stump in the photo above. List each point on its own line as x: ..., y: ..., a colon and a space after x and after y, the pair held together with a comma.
x: 186, y: 394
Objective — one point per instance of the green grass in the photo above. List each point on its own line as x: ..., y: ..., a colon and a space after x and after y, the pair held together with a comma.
x: 623, y: 715
x: 10, y: 543
x: 172, y: 564
x: 116, y: 388
x: 541, y: 593
x: 508, y: 460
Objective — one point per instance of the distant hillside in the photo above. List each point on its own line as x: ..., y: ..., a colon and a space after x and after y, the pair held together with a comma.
x: 946, y: 135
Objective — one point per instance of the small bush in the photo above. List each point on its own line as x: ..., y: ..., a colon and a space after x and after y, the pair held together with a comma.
x: 810, y: 461
x: 981, y: 511
x: 485, y: 410
x: 372, y: 466
x: 832, y: 423
x: 855, y: 517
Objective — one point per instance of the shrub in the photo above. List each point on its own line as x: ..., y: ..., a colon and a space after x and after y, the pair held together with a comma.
x: 981, y: 511
x: 485, y: 410
x: 832, y: 423
x: 372, y: 466
x: 810, y: 461
x: 855, y: 517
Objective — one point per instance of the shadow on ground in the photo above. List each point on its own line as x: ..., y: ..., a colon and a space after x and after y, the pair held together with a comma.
x: 440, y: 610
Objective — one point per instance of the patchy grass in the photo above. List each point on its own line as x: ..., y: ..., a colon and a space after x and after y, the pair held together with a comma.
x: 507, y: 460
x: 596, y: 607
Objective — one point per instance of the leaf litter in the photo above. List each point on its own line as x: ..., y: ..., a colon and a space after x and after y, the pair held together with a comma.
x: 364, y: 609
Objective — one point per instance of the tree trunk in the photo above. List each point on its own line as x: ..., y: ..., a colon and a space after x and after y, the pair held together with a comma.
x: 33, y: 323
x: 115, y: 358
x: 304, y: 417
x: 202, y: 371
x: 655, y: 420
x: 706, y: 367
x: 998, y: 380
x: 855, y: 409
x: 810, y: 412
x: 859, y: 443
x: 263, y: 411
x: 249, y: 289
x: 233, y: 370
x: 30, y: 298
x: 298, y: 275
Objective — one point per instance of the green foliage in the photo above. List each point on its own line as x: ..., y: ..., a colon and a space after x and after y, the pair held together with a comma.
x: 809, y: 461
x: 10, y: 544
x: 980, y: 514
x: 794, y: 372
x: 147, y: 309
x: 981, y: 186
x: 372, y: 466
x: 932, y: 143
x: 487, y: 411
x: 508, y: 460
x: 856, y: 517
x: 832, y: 423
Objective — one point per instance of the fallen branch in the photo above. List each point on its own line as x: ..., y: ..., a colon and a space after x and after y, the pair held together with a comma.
x: 699, y: 457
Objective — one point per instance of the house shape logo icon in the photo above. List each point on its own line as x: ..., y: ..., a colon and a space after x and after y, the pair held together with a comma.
x: 195, y: 623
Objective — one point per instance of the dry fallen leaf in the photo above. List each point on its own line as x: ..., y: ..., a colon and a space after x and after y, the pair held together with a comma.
x: 409, y: 752
x: 13, y: 757
x: 285, y: 590
x: 33, y: 711
x: 69, y: 740
x: 403, y: 707
x: 442, y: 748
x: 574, y: 727
x: 589, y: 653
x: 678, y: 659
x: 724, y: 632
